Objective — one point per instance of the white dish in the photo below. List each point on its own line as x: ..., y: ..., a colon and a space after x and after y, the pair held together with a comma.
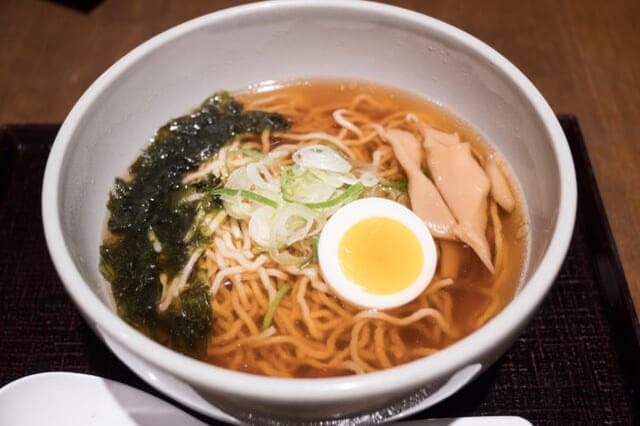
x: 72, y: 399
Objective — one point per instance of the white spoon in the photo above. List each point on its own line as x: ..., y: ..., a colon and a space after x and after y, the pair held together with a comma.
x: 72, y: 399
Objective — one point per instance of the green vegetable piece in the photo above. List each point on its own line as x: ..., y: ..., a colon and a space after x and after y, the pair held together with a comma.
x: 246, y: 194
x: 314, y: 249
x: 252, y: 153
x: 314, y: 253
x: 399, y: 184
x: 350, y: 194
x: 271, y: 310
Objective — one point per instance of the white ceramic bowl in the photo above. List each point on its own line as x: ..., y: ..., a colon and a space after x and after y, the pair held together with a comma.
x: 173, y: 72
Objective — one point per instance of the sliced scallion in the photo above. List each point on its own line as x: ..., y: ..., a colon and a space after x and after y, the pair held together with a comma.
x: 399, y: 184
x: 351, y: 193
x: 271, y: 310
x: 252, y: 153
x: 246, y: 194
x: 314, y: 249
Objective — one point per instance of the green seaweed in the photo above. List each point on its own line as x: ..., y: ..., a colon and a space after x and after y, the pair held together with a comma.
x: 187, y: 322
x: 150, y: 199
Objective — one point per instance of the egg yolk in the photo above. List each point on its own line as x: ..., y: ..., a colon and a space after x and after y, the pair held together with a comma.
x: 382, y: 255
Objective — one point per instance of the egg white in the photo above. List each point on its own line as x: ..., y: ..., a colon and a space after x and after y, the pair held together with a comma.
x: 345, y: 218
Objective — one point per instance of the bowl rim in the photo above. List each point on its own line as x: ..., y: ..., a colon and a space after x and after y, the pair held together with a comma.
x: 411, y: 375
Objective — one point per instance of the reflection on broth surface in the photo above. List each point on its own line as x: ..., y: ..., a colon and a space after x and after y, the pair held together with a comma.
x: 211, y: 245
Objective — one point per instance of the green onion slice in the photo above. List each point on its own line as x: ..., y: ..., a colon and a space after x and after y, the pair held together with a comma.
x: 314, y: 249
x: 271, y: 310
x: 399, y: 184
x: 246, y: 194
x: 350, y: 194
x: 252, y: 153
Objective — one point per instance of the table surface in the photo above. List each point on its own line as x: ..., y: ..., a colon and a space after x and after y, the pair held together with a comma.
x: 582, y: 55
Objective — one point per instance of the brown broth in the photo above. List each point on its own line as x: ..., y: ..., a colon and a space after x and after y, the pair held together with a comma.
x: 469, y: 302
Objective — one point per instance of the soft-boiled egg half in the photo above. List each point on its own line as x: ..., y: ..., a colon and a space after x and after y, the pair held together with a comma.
x: 376, y: 253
